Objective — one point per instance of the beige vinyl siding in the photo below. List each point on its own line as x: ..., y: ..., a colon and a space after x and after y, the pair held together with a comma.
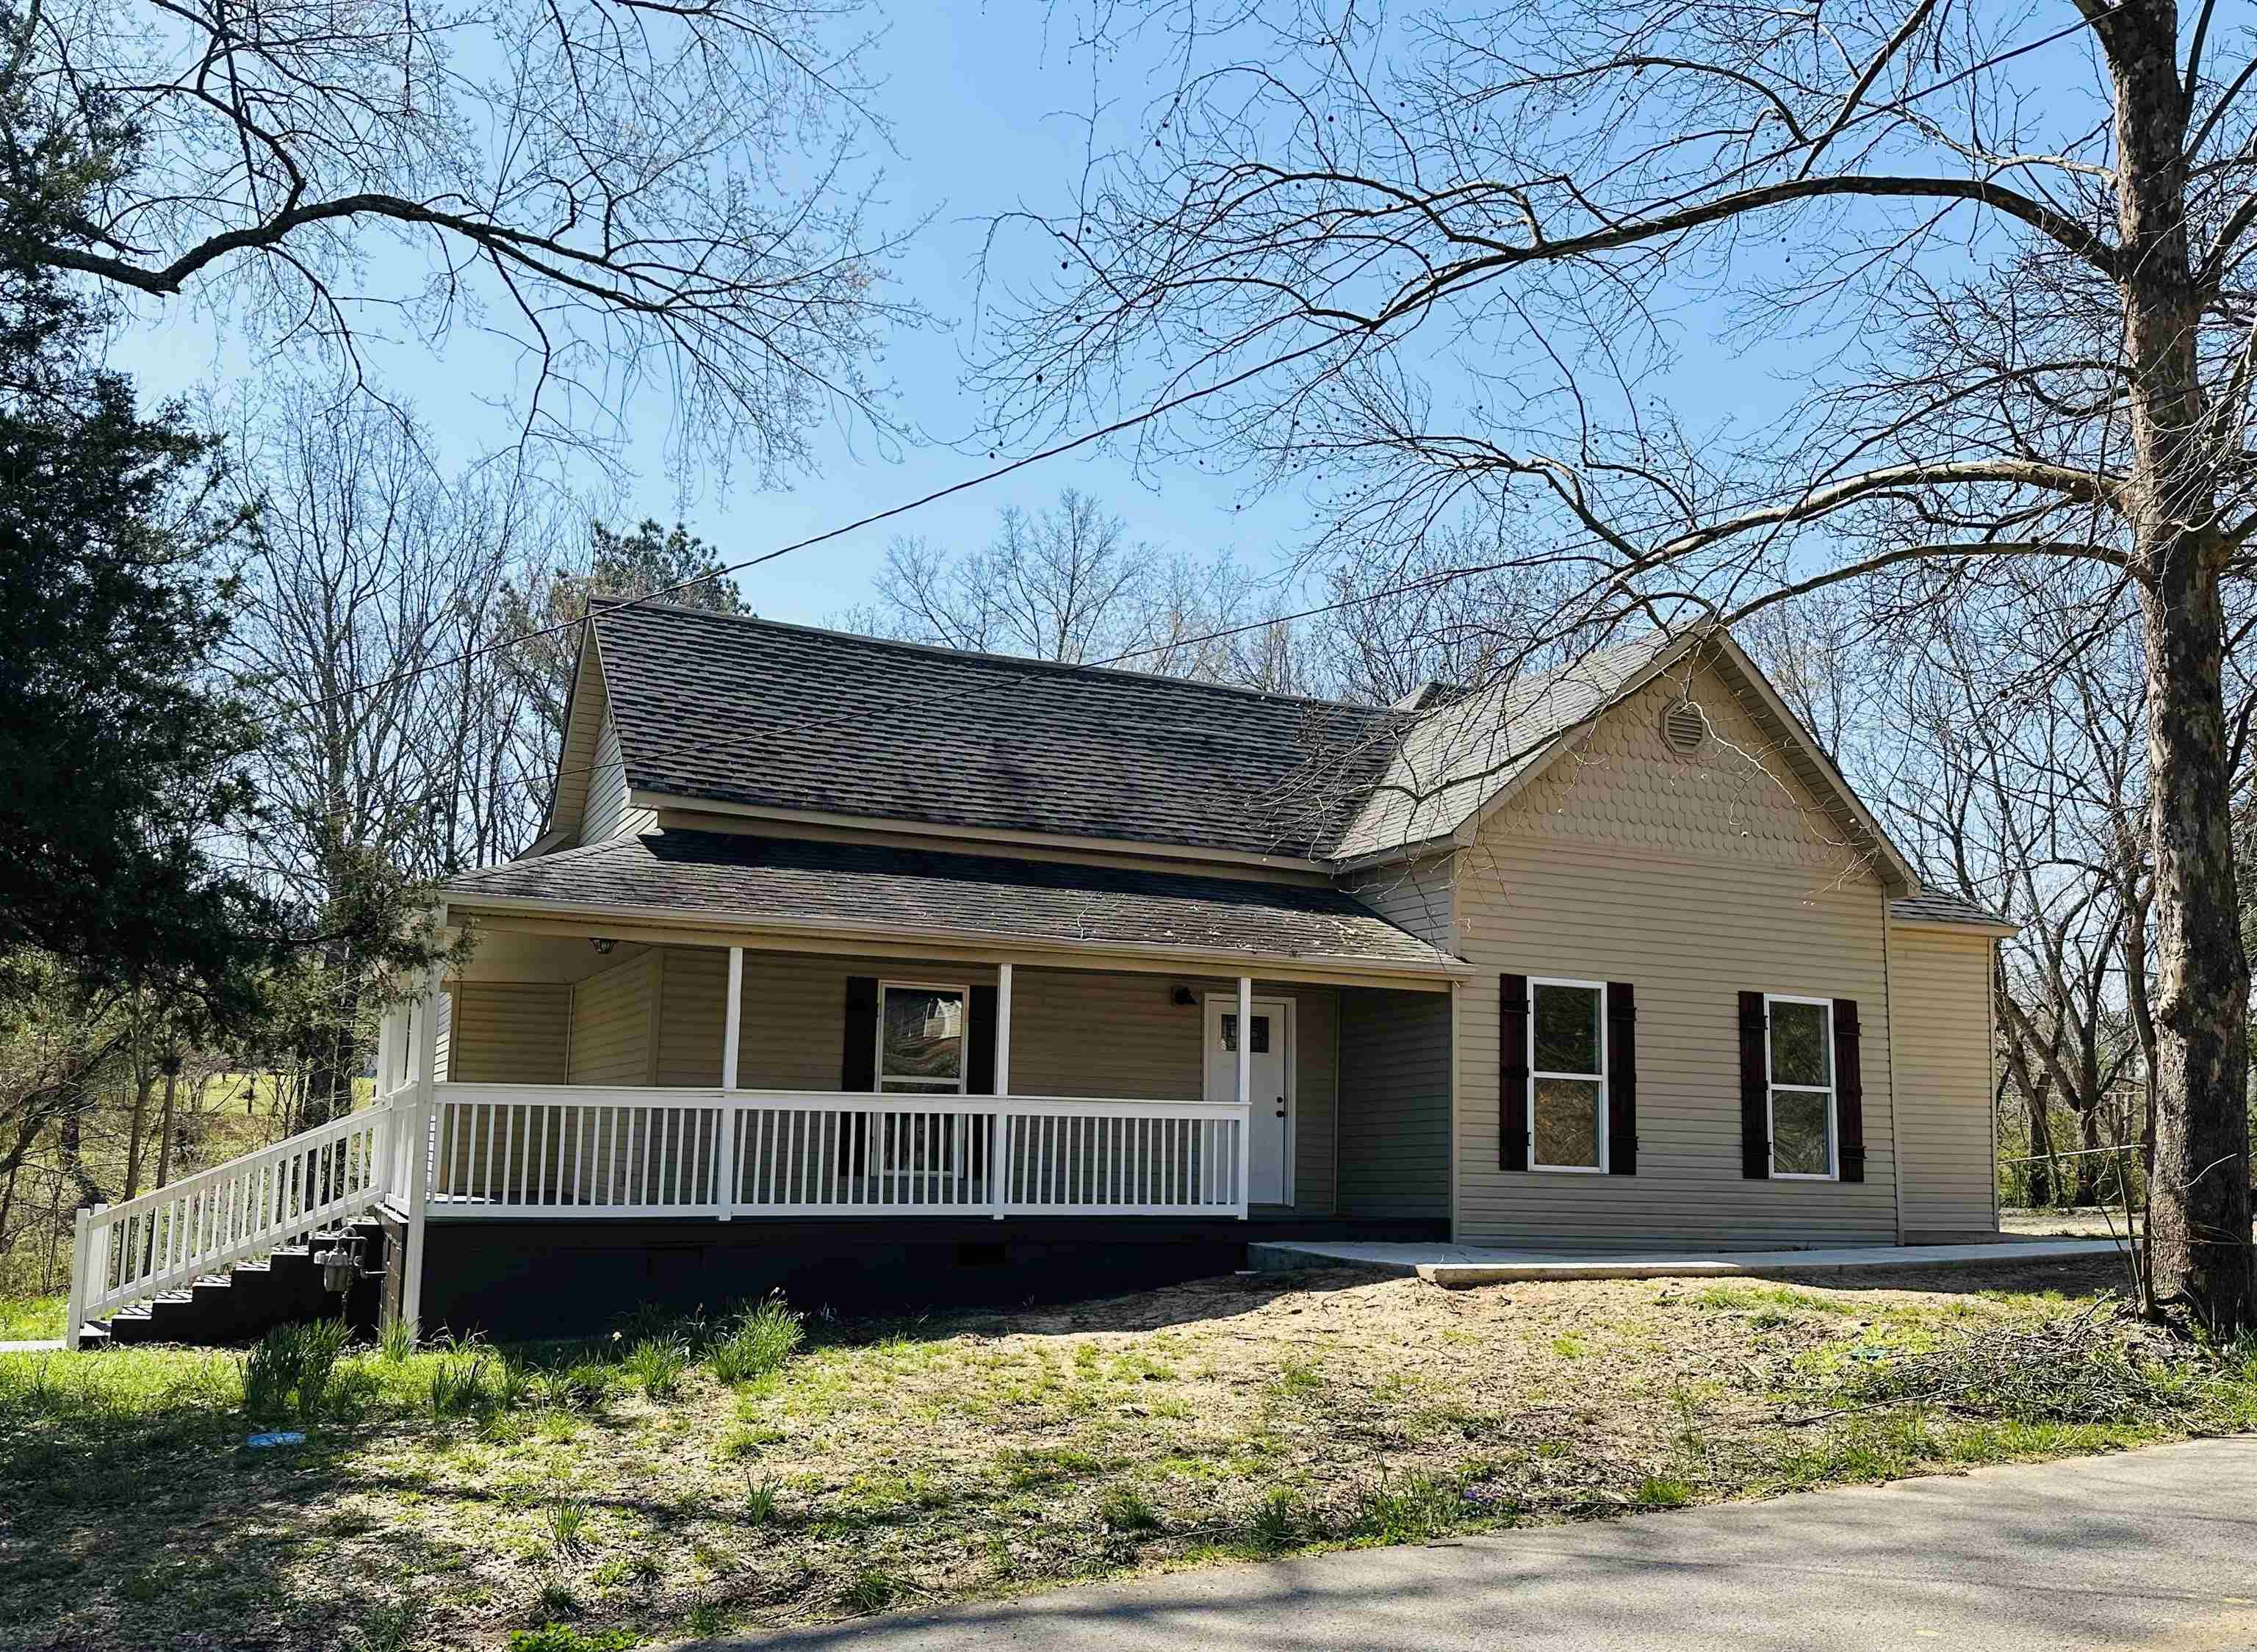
x: 1942, y: 1037
x: 1416, y: 895
x: 510, y: 1032
x: 589, y: 712
x: 607, y: 788
x: 612, y: 1016
x: 442, y: 1037
x: 1395, y: 1108
x: 1074, y: 1033
x: 1695, y: 879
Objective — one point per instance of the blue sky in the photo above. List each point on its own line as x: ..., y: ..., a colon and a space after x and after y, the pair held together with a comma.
x: 987, y: 102
x: 986, y: 113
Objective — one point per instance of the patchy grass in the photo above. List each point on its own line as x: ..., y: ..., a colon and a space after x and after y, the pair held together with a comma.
x: 687, y: 1478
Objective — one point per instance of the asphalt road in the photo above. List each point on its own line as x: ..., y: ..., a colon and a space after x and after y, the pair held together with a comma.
x: 2152, y: 1549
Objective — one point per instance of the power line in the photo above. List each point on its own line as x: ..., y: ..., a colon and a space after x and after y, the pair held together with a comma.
x: 1130, y: 422
x: 1434, y: 580
x: 996, y: 473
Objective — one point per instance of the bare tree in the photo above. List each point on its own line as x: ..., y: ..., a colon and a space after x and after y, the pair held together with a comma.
x: 396, y: 748
x: 1428, y: 262
x: 1065, y: 583
x: 625, y: 191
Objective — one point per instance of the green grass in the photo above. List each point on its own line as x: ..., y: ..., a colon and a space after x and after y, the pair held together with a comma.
x: 31, y: 1318
x: 554, y: 1486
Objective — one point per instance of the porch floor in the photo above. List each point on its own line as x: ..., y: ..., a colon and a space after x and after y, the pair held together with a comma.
x: 1463, y: 1265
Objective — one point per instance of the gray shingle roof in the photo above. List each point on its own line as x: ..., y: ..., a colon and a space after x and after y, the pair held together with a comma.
x: 1934, y: 906
x: 752, y: 711
x: 849, y: 887
x: 1456, y: 758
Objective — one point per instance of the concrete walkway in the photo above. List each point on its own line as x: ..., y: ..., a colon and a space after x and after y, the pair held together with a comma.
x: 2150, y: 1549
x: 1483, y: 1265
x: 48, y: 1344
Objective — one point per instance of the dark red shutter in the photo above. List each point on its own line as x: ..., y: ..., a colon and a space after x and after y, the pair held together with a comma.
x: 1621, y: 1079
x: 1754, y: 1090
x: 858, y: 1063
x: 1849, y: 1090
x: 1512, y: 1072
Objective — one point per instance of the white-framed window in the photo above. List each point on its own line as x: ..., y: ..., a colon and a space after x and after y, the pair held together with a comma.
x: 1799, y: 1055
x: 922, y: 1036
x: 1567, y: 1075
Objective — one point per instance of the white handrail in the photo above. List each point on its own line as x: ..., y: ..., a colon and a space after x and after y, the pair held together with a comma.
x: 506, y: 1149
x: 126, y: 1253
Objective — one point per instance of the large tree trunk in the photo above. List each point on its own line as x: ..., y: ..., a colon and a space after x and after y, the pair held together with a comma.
x: 2199, y: 1220
x: 2198, y: 1214
x: 2041, y: 1166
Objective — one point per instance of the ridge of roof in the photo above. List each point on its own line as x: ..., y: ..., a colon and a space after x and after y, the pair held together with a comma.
x: 615, y: 605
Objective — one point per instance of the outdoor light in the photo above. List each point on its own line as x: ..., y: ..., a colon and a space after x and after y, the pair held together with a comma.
x: 1181, y: 998
x: 340, y: 1266
x: 602, y: 943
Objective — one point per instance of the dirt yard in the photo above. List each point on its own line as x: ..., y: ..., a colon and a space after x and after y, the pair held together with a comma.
x: 624, y: 1492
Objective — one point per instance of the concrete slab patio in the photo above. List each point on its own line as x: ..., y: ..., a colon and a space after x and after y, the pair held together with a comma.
x: 1466, y: 1265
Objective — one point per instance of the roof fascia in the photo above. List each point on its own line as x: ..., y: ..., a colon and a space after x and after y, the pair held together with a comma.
x: 1835, y: 780
x: 589, y: 658
x: 1964, y: 926
x: 666, y: 925
x: 1141, y: 848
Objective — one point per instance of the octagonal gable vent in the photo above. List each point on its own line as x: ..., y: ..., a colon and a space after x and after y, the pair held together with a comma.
x: 1684, y: 727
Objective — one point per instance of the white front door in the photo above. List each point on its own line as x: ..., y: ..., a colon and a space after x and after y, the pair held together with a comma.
x: 1269, y: 1179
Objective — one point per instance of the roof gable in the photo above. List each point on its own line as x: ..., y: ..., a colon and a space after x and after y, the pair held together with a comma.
x: 584, y: 709
x: 1468, y: 761
x: 732, y: 709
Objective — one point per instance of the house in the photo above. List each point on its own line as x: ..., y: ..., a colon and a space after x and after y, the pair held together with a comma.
x: 886, y: 973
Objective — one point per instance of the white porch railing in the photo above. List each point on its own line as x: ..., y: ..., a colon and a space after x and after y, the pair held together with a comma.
x: 126, y: 1253
x: 529, y: 1149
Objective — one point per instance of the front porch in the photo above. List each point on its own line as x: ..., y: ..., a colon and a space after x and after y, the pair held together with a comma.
x: 661, y: 1092
x: 578, y: 1075
x: 745, y: 1045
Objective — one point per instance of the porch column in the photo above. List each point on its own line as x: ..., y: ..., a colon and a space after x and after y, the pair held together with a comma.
x: 417, y: 1126
x: 1002, y: 1029
x: 384, y: 1029
x: 1245, y: 1089
x: 724, y: 1127
x: 999, y: 1149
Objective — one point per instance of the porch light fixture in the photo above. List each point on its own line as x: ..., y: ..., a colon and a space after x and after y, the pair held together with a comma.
x: 1181, y: 998
x: 602, y: 943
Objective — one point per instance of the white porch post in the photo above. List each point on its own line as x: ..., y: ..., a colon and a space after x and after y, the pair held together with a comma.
x: 999, y: 1150
x: 1245, y: 1089
x: 82, y: 1250
x: 418, y: 1122
x: 384, y: 1035
x: 725, y: 1132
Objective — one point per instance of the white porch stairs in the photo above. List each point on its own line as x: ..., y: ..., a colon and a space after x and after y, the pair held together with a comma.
x: 226, y: 1254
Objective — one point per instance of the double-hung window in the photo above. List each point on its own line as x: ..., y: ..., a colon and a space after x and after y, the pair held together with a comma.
x: 920, y: 1037
x: 921, y: 1049
x: 1567, y: 1075
x: 1801, y: 1048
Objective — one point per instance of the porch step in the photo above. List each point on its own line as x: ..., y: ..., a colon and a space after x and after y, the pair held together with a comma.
x: 251, y: 1298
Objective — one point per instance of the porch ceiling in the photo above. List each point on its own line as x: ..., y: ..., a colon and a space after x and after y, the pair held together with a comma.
x: 727, y: 881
